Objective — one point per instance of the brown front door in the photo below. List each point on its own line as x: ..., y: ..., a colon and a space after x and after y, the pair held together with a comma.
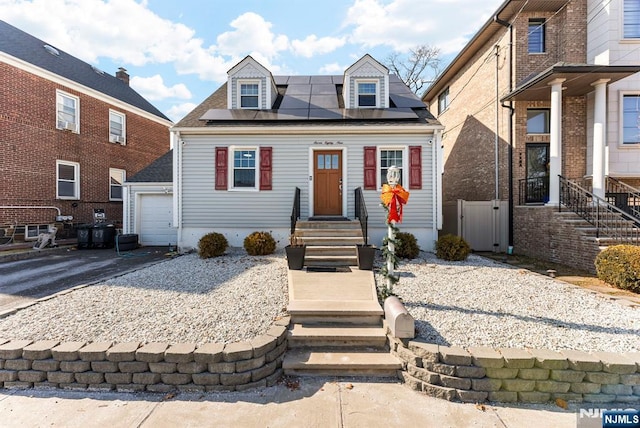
x: 327, y: 190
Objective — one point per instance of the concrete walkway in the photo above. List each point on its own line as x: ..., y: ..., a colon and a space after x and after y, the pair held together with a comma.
x: 317, y: 402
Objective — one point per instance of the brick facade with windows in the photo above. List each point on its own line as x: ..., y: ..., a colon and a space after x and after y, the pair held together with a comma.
x: 32, y: 144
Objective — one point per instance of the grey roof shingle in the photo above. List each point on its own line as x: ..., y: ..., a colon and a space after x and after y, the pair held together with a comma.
x: 158, y: 171
x: 25, y: 47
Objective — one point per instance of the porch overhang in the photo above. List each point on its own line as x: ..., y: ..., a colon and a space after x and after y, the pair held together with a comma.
x: 578, y: 80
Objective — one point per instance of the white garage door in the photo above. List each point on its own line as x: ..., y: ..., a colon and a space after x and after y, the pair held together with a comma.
x: 156, y: 218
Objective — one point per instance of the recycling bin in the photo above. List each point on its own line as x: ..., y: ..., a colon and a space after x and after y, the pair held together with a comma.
x: 84, y: 235
x: 103, y: 235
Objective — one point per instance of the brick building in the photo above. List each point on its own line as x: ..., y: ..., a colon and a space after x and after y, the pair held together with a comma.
x: 70, y: 134
x: 537, y: 94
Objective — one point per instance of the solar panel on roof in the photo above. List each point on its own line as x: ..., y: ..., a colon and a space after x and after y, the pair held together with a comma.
x: 321, y: 80
x: 299, y: 80
x: 325, y: 114
x: 405, y: 101
x: 295, y: 101
x: 337, y: 80
x: 298, y: 89
x: 281, y: 80
x: 283, y: 114
x: 387, y: 114
x: 324, y: 101
x: 323, y: 89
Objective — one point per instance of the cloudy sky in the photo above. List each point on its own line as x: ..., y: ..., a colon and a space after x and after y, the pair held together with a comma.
x: 179, y: 51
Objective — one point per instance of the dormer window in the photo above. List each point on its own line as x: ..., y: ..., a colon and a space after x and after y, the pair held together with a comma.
x: 249, y: 94
x: 367, y: 94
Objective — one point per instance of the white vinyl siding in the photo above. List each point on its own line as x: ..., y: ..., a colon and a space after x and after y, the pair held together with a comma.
x: 203, y: 207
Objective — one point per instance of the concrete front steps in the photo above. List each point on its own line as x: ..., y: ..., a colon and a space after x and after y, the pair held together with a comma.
x: 338, y: 338
x: 330, y: 243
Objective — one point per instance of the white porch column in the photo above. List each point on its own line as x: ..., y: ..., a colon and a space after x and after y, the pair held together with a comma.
x: 599, y: 136
x: 555, y: 140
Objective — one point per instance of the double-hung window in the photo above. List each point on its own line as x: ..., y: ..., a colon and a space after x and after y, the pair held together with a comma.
x: 536, y: 36
x: 249, y: 95
x: 67, y: 112
x: 67, y: 180
x: 388, y: 158
x: 117, y: 130
x: 244, y: 168
x: 538, y: 121
x: 631, y: 19
x: 443, y: 101
x: 116, y: 178
x: 367, y: 94
x: 630, y: 119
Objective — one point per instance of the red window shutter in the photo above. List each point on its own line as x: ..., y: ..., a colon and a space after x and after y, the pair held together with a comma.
x: 221, y: 168
x: 415, y: 167
x: 265, y: 168
x: 370, y: 168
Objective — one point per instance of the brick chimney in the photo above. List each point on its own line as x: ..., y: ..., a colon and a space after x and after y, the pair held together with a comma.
x: 122, y: 75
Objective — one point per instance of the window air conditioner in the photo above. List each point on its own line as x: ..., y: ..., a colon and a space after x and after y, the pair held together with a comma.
x: 69, y: 126
x: 117, y: 139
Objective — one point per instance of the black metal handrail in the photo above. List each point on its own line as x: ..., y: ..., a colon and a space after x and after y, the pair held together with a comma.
x: 533, y: 190
x: 295, y: 212
x: 361, y: 214
x: 623, y: 196
x: 608, y: 219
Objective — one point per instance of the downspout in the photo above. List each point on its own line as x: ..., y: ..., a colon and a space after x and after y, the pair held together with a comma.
x: 512, y: 112
x: 496, y: 142
x: 177, y: 185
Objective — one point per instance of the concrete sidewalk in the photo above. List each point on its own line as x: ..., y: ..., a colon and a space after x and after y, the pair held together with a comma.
x: 315, y: 402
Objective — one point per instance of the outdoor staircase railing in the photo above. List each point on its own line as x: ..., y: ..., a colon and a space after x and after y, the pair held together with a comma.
x: 295, y: 212
x: 623, y: 196
x: 533, y: 190
x: 609, y: 220
x: 361, y: 214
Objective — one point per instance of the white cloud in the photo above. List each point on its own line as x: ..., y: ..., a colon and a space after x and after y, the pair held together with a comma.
x: 313, y: 45
x: 253, y: 35
x: 333, y: 68
x: 403, y: 24
x: 178, y: 111
x: 153, y: 88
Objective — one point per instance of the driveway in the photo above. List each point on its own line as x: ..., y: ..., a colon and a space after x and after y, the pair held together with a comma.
x: 25, y: 280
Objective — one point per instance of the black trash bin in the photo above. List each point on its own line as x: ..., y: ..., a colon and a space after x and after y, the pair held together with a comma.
x: 127, y: 242
x: 103, y: 235
x: 84, y: 235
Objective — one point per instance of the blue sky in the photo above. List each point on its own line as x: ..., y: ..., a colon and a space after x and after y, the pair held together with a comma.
x: 178, y: 52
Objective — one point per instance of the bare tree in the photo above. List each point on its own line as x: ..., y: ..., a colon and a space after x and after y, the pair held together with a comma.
x: 416, y: 68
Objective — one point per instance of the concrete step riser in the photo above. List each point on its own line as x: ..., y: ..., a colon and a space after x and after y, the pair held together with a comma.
x: 327, y: 320
x: 352, y: 344
x: 303, y: 224
x: 330, y: 251
x: 328, y: 232
x: 384, y: 373
x: 333, y: 262
x: 332, y: 241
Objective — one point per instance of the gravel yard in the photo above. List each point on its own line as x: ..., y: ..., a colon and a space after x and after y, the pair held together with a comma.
x: 186, y: 299
x: 480, y: 302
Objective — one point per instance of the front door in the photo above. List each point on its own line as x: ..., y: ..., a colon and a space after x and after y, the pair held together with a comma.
x: 327, y: 188
x: 537, y: 173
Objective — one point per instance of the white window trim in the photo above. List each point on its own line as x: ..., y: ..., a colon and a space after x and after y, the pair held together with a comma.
x: 124, y: 126
x: 231, y: 169
x: 239, y: 84
x: 405, y: 164
x: 356, y: 93
x: 60, y: 93
x: 76, y: 178
x: 621, y: 144
x: 124, y: 177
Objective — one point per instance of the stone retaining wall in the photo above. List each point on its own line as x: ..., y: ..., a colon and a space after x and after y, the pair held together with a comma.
x: 153, y: 367
x: 515, y: 375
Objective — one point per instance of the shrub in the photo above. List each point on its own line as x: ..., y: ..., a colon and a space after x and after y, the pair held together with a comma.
x: 407, y: 246
x: 452, y: 248
x: 212, y: 245
x: 259, y: 244
x: 619, y: 266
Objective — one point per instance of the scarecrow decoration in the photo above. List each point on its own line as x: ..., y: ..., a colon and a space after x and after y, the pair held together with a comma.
x: 393, y: 197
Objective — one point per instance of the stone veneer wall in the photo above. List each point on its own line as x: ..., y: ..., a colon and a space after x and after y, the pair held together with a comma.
x: 516, y: 375
x: 153, y: 367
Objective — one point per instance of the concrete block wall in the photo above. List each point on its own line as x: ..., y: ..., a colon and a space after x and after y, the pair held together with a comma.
x: 517, y: 375
x: 152, y: 367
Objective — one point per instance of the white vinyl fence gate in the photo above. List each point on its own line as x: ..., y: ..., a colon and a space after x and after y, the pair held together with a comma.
x: 483, y: 224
